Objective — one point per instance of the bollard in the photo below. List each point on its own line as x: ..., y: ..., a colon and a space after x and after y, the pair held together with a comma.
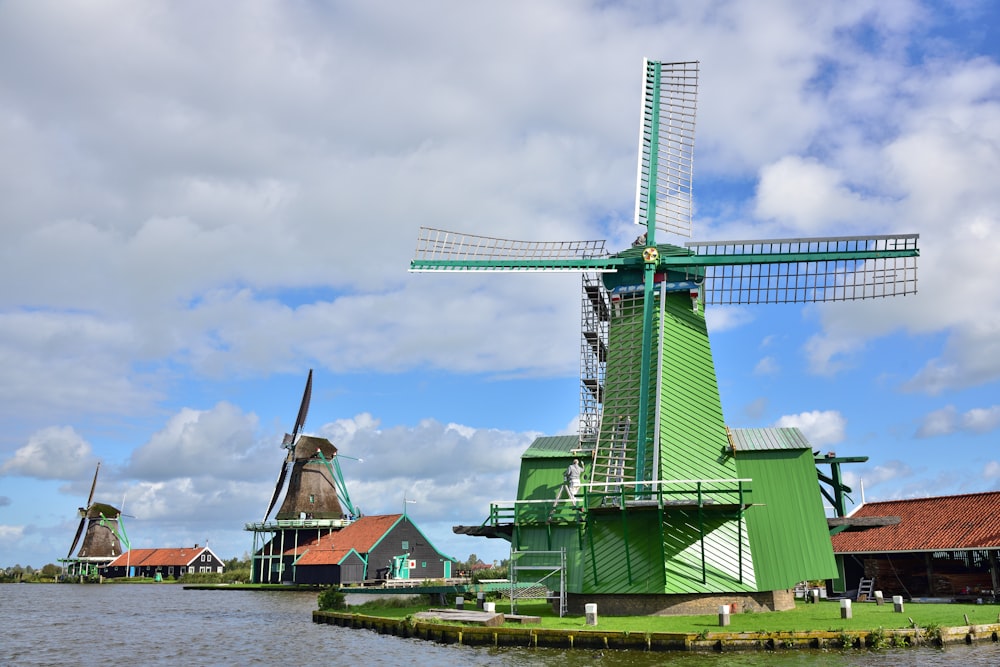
x: 814, y: 595
x: 591, y: 610
x: 879, y: 600
x: 723, y: 615
x: 480, y: 599
x: 490, y: 607
x: 897, y: 603
x: 459, y: 602
x: 845, y: 608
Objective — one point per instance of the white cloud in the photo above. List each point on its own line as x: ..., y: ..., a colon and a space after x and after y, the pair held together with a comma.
x: 821, y: 428
x: 939, y: 422
x: 948, y: 420
x: 884, y: 473
x: 10, y: 534
x: 220, y: 442
x: 766, y: 366
x: 56, y: 452
x: 807, y: 196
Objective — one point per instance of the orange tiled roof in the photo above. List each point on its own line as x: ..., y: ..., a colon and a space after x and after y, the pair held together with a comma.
x: 942, y: 523
x: 361, y: 535
x: 158, y: 557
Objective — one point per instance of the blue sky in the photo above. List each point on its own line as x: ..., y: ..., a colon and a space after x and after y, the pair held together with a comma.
x: 202, y: 202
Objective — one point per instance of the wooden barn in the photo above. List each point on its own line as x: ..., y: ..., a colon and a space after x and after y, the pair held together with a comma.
x: 942, y: 547
x: 165, y: 562
x: 380, y: 547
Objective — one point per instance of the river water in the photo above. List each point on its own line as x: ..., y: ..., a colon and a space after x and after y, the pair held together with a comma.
x: 83, y: 625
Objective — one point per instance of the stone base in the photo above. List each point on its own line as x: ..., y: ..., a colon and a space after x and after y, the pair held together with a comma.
x: 681, y: 604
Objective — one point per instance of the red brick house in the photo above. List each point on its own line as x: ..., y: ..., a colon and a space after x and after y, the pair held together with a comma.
x: 941, y: 547
x: 165, y: 562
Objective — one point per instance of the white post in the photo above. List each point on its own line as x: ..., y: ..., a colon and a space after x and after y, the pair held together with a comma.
x: 897, y: 603
x: 591, y: 610
x: 814, y: 595
x: 723, y: 614
x: 845, y: 608
x: 491, y: 607
x: 879, y: 599
x: 459, y: 602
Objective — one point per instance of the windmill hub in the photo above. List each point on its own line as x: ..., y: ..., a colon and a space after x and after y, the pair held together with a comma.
x: 650, y: 255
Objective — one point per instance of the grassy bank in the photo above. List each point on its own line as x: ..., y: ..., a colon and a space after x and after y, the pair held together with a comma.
x: 823, y: 616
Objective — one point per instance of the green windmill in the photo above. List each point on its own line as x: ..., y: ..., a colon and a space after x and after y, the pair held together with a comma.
x: 673, y: 502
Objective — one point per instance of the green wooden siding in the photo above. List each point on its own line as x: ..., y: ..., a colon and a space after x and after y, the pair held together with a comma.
x: 727, y: 567
x: 788, y: 533
x: 692, y: 430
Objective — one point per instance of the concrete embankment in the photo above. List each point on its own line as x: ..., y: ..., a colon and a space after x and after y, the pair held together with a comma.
x: 656, y: 641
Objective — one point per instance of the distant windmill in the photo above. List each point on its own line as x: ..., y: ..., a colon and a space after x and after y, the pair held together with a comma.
x: 103, y: 531
x: 651, y: 416
x: 316, y: 499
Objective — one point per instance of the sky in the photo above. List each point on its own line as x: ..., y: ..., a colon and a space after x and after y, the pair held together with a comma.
x: 201, y: 202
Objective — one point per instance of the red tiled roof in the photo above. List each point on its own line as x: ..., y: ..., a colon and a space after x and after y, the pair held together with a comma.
x: 943, y: 523
x: 158, y: 557
x: 361, y: 535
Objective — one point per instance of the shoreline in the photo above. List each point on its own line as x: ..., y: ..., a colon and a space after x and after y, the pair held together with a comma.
x: 503, y: 636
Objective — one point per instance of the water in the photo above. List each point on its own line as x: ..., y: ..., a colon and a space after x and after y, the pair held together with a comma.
x: 83, y: 625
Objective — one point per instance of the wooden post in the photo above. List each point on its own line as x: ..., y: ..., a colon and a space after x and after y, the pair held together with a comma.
x: 879, y: 600
x: 459, y: 602
x: 591, y: 610
x: 897, y: 604
x: 845, y: 608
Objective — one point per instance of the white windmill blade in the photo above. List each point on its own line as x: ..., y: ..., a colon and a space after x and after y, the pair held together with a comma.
x: 666, y: 146
x: 441, y: 250
x: 836, y: 268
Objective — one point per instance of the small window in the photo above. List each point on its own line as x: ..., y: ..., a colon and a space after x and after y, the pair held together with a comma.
x: 406, y: 545
x: 312, y: 498
x: 423, y: 563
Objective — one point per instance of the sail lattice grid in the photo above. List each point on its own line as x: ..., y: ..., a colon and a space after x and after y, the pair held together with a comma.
x: 471, y: 252
x: 751, y: 272
x: 666, y: 146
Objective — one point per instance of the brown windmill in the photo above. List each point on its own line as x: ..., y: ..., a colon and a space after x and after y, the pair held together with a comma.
x: 103, y: 540
x: 316, y: 500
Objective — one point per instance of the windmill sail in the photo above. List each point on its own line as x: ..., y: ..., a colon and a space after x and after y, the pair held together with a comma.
x: 666, y: 146
x: 288, y: 442
x: 808, y: 270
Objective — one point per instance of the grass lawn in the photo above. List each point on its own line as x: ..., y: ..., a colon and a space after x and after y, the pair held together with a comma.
x: 823, y: 616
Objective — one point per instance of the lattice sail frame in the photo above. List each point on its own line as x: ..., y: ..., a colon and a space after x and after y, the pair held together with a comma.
x: 841, y: 268
x: 669, y: 99
x: 441, y: 250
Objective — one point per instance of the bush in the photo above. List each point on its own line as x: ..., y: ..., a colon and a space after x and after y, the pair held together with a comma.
x: 332, y: 599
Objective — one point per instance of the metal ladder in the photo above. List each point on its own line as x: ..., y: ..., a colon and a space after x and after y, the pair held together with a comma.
x: 865, y: 589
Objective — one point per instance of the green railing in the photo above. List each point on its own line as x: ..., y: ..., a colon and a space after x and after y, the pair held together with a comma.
x: 701, y: 494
